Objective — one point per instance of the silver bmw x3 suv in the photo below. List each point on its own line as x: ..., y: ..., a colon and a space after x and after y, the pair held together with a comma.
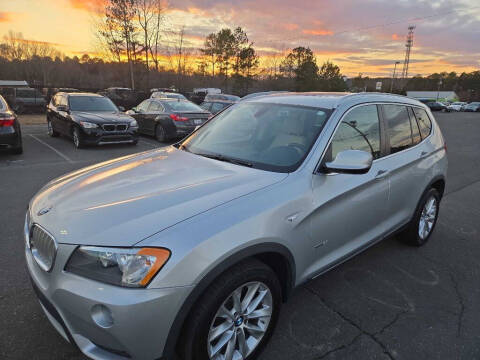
x: 189, y: 250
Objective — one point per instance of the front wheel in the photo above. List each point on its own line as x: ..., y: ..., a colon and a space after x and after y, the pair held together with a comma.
x: 236, y: 315
x: 421, y: 227
x: 78, y: 138
x: 50, y: 129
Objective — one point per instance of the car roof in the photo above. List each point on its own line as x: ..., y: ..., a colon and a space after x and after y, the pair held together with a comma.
x: 331, y: 100
x: 79, y: 94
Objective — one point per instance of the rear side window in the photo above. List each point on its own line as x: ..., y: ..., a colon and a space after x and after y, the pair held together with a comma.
x: 359, y: 130
x: 399, y: 128
x: 415, y: 129
x: 423, y: 122
x: 155, y: 107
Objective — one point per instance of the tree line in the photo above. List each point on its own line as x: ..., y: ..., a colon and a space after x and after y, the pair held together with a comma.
x: 141, y: 51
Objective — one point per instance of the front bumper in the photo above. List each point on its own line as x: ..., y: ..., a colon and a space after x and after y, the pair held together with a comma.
x: 101, y: 137
x: 141, y: 318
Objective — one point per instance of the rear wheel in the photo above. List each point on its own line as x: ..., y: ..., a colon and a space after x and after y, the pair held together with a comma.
x: 50, y: 129
x: 160, y: 133
x: 236, y: 315
x: 421, y: 227
x: 78, y: 138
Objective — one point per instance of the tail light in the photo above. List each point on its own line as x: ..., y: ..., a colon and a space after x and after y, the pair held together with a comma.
x: 7, y: 121
x: 178, y: 118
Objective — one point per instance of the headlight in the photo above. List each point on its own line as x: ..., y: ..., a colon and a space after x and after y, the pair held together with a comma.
x: 88, y: 125
x: 134, y: 123
x: 118, y: 266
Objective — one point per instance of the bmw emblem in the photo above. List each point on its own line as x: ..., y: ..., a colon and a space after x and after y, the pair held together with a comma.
x: 44, y: 210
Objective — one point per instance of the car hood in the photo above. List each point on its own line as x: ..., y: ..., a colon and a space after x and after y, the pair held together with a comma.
x: 101, y: 117
x: 124, y: 201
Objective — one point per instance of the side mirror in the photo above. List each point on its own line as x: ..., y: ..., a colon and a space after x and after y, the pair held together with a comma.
x: 63, y: 108
x: 350, y: 162
x: 121, y: 108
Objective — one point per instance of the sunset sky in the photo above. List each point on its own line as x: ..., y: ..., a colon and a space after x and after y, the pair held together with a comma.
x: 364, y: 36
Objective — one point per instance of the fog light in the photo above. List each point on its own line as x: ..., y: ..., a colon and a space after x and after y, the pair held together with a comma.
x: 102, y: 316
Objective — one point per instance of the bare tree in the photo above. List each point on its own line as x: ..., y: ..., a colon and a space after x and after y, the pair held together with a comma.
x: 119, y: 31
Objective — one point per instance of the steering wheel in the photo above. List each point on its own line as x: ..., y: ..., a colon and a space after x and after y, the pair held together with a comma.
x: 299, y: 147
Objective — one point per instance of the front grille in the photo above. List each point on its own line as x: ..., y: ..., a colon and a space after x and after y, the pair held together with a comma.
x: 43, y: 247
x: 114, y: 127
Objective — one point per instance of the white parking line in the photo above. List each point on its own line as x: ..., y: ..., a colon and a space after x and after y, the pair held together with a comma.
x: 52, y: 148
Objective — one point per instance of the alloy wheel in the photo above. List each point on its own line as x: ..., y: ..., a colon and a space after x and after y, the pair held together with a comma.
x: 427, y: 218
x: 240, y: 323
x: 49, y: 127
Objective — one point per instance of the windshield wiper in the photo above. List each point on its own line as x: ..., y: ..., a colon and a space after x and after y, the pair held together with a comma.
x: 226, y: 159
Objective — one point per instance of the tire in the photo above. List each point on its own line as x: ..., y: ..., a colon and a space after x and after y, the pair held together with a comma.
x: 160, y: 133
x: 205, y: 315
x: 412, y: 234
x: 50, y: 129
x: 134, y: 142
x: 18, y: 150
x: 78, y: 138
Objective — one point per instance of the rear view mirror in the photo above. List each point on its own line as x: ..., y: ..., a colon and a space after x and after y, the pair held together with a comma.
x: 63, y: 108
x: 350, y: 162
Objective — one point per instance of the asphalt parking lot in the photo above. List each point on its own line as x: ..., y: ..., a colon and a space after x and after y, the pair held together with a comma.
x: 391, y: 302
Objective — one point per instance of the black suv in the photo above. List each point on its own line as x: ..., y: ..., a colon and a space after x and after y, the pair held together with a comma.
x: 89, y: 119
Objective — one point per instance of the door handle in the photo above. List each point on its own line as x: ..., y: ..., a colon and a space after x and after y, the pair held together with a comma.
x: 381, y: 174
x: 423, y: 154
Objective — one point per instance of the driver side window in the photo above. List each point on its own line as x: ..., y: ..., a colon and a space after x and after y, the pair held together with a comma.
x: 143, y: 106
x: 359, y: 130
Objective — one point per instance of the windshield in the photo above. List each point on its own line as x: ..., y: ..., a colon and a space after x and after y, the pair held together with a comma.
x: 91, y: 104
x: 184, y: 106
x: 273, y: 137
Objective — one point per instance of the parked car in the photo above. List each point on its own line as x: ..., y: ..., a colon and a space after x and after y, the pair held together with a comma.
x: 24, y: 99
x: 168, y: 119
x: 199, y: 94
x: 227, y: 97
x: 215, y: 106
x: 457, y: 106
x: 194, y: 247
x: 10, y: 131
x: 122, y: 97
x: 167, y: 95
x: 436, y: 106
x: 473, y: 106
x: 89, y: 119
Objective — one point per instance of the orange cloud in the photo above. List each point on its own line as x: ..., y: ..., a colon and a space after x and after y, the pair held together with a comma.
x: 6, y: 16
x: 89, y: 5
x: 319, y: 32
x: 395, y: 37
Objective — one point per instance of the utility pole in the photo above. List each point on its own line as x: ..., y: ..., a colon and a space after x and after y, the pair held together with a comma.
x: 393, y: 76
x: 408, y: 45
x: 440, y: 82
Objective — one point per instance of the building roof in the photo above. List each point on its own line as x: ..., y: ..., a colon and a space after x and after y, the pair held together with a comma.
x: 13, y: 83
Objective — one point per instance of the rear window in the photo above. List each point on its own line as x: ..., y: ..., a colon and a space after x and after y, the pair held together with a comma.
x: 184, y: 106
x: 424, y: 122
x: 3, y: 103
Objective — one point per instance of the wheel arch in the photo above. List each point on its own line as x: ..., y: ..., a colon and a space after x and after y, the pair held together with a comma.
x: 274, y: 255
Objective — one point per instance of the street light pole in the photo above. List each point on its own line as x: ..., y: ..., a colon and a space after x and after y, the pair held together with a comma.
x: 393, y: 77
